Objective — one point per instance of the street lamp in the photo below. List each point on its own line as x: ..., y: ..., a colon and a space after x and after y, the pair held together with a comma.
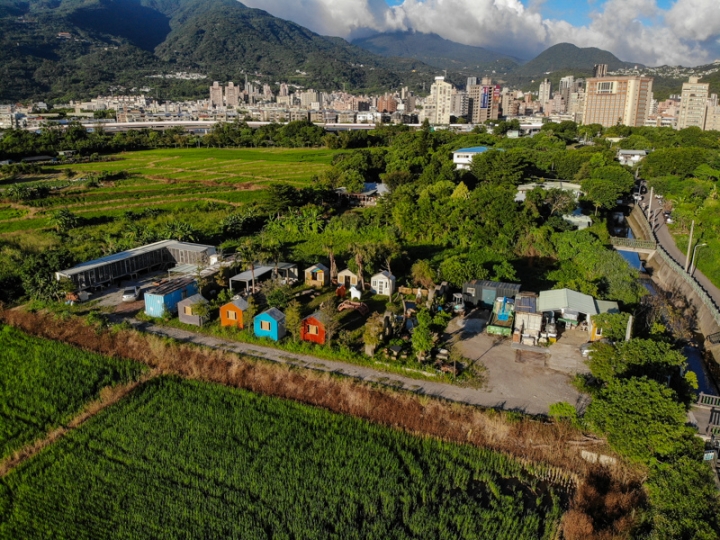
x: 692, y: 264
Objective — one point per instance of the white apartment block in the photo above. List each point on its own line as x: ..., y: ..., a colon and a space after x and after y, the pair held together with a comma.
x: 693, y: 104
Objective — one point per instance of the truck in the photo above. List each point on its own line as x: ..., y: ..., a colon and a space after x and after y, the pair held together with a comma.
x: 502, y: 317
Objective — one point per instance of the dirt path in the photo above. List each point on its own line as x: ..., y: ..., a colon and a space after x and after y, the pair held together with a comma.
x: 108, y: 396
x: 495, y: 397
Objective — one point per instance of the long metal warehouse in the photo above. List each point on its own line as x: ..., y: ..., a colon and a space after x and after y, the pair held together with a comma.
x: 132, y: 262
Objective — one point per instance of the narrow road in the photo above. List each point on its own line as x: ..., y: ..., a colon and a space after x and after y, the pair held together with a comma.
x: 527, y: 404
x: 664, y: 237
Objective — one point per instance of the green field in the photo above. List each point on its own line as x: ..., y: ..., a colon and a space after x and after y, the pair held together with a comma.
x: 44, y: 383
x: 166, y: 179
x: 181, y: 459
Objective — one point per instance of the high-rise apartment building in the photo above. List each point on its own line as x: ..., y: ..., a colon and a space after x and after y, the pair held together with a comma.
x: 613, y: 100
x: 600, y: 70
x: 441, y: 100
x: 471, y: 81
x: 216, y: 95
x: 267, y: 92
x: 483, y: 102
x: 545, y: 92
x: 387, y: 103
x: 232, y: 95
x: 567, y: 86
x: 284, y: 90
x: 460, y: 103
x: 308, y: 98
x: 693, y: 104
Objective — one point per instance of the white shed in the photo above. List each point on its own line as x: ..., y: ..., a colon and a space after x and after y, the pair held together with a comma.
x: 348, y: 278
x: 383, y: 284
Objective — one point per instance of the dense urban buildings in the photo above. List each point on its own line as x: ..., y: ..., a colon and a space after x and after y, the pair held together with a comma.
x: 617, y: 100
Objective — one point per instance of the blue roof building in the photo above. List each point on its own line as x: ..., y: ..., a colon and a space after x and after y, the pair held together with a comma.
x: 163, y: 300
x: 270, y: 324
x: 463, y: 158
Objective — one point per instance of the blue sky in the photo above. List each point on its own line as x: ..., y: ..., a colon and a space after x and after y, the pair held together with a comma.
x: 576, y: 12
x: 651, y: 32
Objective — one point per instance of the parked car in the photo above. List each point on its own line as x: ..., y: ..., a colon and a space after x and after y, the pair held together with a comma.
x: 131, y: 294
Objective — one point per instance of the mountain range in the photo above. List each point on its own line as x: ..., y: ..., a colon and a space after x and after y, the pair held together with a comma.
x: 73, y: 49
x: 76, y: 49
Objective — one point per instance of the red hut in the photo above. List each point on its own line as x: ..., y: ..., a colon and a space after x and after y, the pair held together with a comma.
x: 313, y: 328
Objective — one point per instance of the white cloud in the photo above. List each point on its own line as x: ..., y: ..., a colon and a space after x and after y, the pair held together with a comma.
x: 635, y: 30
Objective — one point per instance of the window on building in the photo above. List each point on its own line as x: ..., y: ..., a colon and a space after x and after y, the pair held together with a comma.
x: 606, y: 87
x: 313, y: 330
x: 231, y: 315
x: 265, y: 325
x: 187, y: 310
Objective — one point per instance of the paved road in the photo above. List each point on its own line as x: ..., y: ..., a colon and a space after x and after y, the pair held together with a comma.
x: 667, y: 241
x: 490, y: 398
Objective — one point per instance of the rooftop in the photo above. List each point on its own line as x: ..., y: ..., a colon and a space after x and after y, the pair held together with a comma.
x: 563, y: 299
x: 170, y: 286
x: 472, y: 150
x: 123, y: 255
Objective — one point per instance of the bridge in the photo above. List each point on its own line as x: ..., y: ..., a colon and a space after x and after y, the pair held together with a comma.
x: 647, y: 247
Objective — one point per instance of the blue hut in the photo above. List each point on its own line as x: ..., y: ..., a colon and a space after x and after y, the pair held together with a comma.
x: 164, y: 299
x: 270, y: 324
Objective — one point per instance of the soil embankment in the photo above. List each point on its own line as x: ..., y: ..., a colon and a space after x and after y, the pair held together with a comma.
x: 602, y: 500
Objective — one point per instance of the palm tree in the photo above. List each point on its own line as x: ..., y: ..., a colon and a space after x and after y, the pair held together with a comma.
x: 362, y: 252
x: 247, y: 252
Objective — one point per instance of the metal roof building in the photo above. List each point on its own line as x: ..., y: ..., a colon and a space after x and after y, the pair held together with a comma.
x: 134, y: 261
x: 567, y: 300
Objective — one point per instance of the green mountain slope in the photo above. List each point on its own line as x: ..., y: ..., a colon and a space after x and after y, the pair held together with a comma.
x: 116, y: 45
x: 437, y: 51
x: 566, y: 56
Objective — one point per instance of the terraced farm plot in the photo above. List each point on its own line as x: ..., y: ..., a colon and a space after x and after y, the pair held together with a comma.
x: 234, y: 166
x: 170, y: 180
x: 184, y: 459
x: 44, y: 383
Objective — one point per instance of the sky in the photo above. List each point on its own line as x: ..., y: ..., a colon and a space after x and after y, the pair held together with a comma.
x: 651, y: 32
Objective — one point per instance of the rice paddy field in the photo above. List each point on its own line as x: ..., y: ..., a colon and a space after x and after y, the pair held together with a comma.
x: 167, y: 179
x: 188, y: 459
x: 45, y: 383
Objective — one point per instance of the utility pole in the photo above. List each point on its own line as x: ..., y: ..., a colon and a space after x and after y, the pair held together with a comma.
x: 687, y: 258
x: 649, y: 209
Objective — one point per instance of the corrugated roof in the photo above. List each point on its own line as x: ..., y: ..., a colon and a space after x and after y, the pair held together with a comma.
x: 472, y: 150
x: 526, y: 303
x: 239, y: 303
x: 560, y: 299
x: 318, y: 316
x: 194, y: 299
x: 606, y: 306
x: 274, y: 313
x: 247, y: 275
x: 163, y: 244
x: 171, y: 286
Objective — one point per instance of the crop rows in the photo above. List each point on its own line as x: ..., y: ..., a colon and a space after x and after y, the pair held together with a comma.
x: 184, y: 459
x: 44, y: 383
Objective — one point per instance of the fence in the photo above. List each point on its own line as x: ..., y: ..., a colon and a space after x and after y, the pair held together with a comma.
x: 633, y: 243
x: 679, y: 270
x: 708, y: 400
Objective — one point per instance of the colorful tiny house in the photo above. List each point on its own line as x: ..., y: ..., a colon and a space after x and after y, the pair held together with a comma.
x: 270, y: 324
x: 188, y: 310
x: 163, y: 299
x: 317, y: 276
x: 348, y: 279
x: 312, y: 328
x: 383, y: 284
x: 231, y: 314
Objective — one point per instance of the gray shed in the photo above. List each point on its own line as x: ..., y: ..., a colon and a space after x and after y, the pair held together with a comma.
x: 186, y: 310
x: 483, y: 293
